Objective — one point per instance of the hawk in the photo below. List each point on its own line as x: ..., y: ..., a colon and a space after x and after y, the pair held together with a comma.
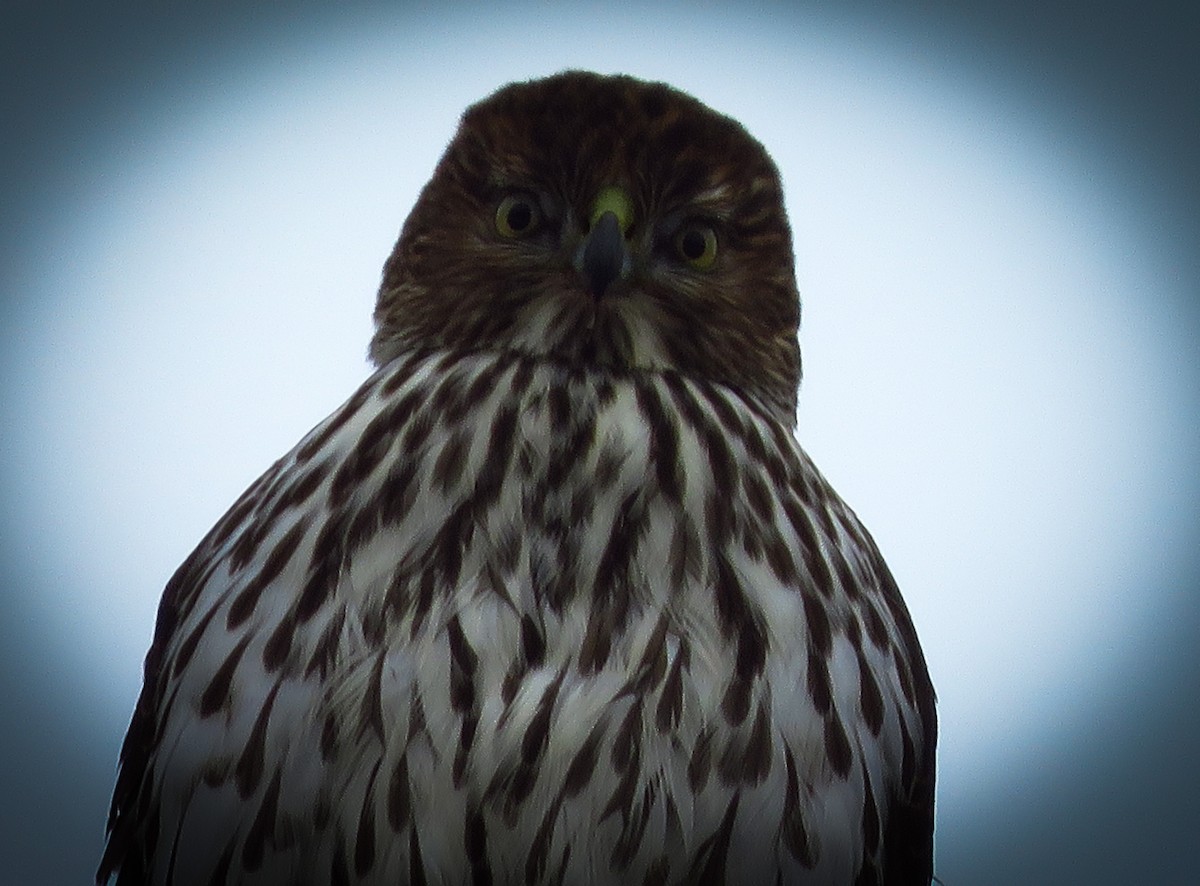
x: 555, y: 596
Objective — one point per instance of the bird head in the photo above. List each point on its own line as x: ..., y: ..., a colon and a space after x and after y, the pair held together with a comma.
x: 606, y: 222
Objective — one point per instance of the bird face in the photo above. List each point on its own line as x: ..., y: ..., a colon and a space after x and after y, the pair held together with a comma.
x: 608, y: 223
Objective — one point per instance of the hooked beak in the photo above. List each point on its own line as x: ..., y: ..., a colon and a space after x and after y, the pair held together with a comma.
x: 605, y: 255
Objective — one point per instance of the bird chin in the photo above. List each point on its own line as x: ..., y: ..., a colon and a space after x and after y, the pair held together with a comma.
x: 583, y: 331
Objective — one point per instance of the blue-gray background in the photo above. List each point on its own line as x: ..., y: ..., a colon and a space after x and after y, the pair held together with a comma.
x: 1120, y: 804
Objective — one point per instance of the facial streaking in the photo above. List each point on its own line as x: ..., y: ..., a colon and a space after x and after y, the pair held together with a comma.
x: 606, y: 222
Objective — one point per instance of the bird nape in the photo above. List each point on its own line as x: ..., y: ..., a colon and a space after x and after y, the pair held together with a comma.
x: 555, y: 596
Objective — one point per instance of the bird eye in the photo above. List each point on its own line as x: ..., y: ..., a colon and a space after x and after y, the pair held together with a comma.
x: 696, y: 245
x: 517, y: 215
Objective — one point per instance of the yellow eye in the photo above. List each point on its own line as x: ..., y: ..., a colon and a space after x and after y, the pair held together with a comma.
x: 517, y: 216
x: 696, y: 245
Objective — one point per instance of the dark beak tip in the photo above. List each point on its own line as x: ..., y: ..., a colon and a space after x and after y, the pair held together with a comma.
x: 604, y: 253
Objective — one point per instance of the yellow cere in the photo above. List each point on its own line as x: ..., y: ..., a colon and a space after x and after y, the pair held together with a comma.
x: 615, y: 200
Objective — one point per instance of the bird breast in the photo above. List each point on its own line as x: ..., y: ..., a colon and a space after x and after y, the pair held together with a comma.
x: 541, y: 607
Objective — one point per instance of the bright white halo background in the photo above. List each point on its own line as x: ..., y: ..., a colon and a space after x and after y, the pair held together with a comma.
x: 993, y: 379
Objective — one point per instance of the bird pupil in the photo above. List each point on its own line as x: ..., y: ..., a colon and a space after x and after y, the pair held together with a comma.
x: 692, y: 245
x: 520, y: 216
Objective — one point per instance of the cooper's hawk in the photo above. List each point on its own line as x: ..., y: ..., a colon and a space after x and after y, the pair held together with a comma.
x: 555, y: 597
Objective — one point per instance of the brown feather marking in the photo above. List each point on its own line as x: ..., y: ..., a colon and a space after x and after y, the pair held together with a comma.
x: 870, y: 699
x: 463, y: 662
x: 279, y: 645
x: 533, y: 744
x: 187, y: 647
x: 579, y: 773
x: 735, y: 703
x: 629, y: 523
x: 759, y: 454
x: 370, y: 715
x: 325, y: 566
x: 485, y: 381
x: 757, y: 760
x: 364, y: 841
x: 335, y: 422
x: 904, y: 672
x: 466, y: 737
x: 416, y: 864
x: 722, y: 467
x: 657, y: 872
x: 794, y: 831
x: 597, y: 641
x: 719, y: 515
x: 399, y: 798
x: 427, y: 583
x: 633, y: 830
x: 220, y: 874
x: 842, y: 567
x: 475, y: 840
x: 490, y: 479
x: 779, y: 558
x: 738, y: 624
x: 397, y: 493
x: 837, y: 745
x: 238, y: 512
x: 533, y: 642
x: 751, y: 533
x: 622, y: 797
x: 653, y: 662
x: 670, y: 702
x: 339, y: 869
x: 452, y: 539
x: 325, y: 649
x: 539, y: 849
x: 664, y: 441
x: 368, y: 453
x: 737, y: 620
x: 538, y: 731
x: 712, y: 856
x: 819, y: 631
x: 509, y: 685
x: 449, y: 391
x: 448, y: 467
x: 758, y: 496
x: 626, y: 748
x: 870, y: 818
x: 417, y: 433
x: 608, y: 466
x: 329, y: 736
x: 819, y: 688
x: 564, y: 457
x: 749, y: 763
x: 262, y: 826
x: 868, y: 874
x: 686, y: 556
x: 246, y: 546
x: 558, y: 399
x: 299, y: 491
x: 908, y: 755
x: 280, y: 555
x: 814, y: 564
x: 726, y: 415
x: 700, y: 763
x: 249, y: 769
x: 216, y: 695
